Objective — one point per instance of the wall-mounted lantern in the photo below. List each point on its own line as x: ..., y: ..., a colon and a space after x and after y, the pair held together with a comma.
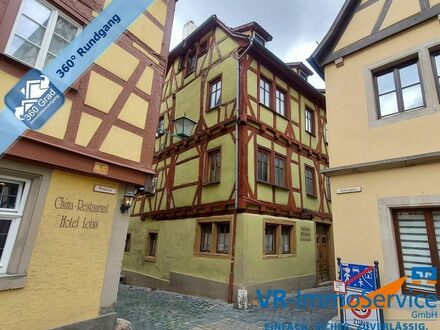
x: 183, y: 127
x: 127, y: 202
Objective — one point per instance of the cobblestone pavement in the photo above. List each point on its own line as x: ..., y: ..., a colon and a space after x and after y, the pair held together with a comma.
x: 154, y: 309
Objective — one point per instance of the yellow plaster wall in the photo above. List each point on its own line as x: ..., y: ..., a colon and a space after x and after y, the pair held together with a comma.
x: 67, y: 267
x: 135, y: 111
x: 57, y: 124
x: 348, y: 113
x: 361, y: 25
x: 122, y: 143
x: 177, y: 257
x: 159, y: 10
x: 102, y: 92
x: 87, y: 128
x: 251, y: 265
x: 115, y: 54
x: 145, y: 83
x: 187, y: 172
x: 357, y: 222
x: 399, y: 10
x: 147, y: 32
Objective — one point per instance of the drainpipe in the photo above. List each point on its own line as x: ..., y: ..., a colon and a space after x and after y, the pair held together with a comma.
x: 234, y: 225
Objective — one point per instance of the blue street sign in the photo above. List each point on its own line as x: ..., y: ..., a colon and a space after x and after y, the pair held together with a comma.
x: 359, y: 276
x: 424, y: 273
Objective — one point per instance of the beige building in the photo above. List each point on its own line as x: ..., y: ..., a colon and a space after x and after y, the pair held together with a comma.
x: 381, y: 66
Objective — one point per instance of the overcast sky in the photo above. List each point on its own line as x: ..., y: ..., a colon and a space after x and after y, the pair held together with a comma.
x: 296, y: 25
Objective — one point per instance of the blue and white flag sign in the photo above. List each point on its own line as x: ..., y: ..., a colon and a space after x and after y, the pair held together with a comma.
x: 39, y: 94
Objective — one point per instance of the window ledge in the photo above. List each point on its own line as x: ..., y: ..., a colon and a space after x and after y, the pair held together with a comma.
x: 214, y: 108
x: 279, y: 256
x: 312, y: 196
x: 207, y: 184
x: 150, y: 258
x: 274, y: 111
x: 310, y: 133
x: 273, y: 185
x: 12, y: 281
x: 212, y: 255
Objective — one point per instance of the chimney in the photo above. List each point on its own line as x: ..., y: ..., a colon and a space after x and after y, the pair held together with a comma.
x: 188, y: 28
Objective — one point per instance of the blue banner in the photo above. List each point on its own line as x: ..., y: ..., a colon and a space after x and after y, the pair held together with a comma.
x: 39, y: 94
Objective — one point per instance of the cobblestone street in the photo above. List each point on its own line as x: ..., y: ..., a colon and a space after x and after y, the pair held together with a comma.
x: 155, y: 309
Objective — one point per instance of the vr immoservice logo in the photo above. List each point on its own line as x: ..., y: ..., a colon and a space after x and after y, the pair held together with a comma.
x: 34, y: 99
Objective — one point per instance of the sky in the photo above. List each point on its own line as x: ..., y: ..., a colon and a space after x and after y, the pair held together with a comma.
x: 296, y: 25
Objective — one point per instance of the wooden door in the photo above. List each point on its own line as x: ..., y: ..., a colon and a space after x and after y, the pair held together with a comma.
x: 322, y: 253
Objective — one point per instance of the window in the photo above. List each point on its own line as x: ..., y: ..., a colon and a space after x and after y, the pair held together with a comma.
x: 279, y: 167
x: 40, y: 33
x: 285, y: 239
x: 418, y: 237
x: 326, y: 133
x: 280, y: 102
x: 263, y: 166
x: 399, y: 89
x: 181, y: 64
x: 160, y: 126
x: 212, y: 237
x: 127, y: 243
x: 215, y: 93
x: 310, y: 121
x: 13, y: 194
x: 303, y: 75
x: 191, y: 63
x: 223, y: 238
x: 279, y: 238
x: 203, y: 48
x: 259, y: 38
x: 152, y: 244
x: 270, y: 239
x: 310, y: 181
x: 205, y: 242
x: 265, y: 93
x: 436, y: 62
x: 214, y: 166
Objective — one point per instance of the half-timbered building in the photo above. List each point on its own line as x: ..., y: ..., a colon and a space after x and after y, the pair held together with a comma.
x: 239, y: 202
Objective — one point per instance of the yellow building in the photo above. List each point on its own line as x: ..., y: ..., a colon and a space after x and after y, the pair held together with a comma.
x: 196, y: 233
x: 381, y: 66
x: 62, y: 230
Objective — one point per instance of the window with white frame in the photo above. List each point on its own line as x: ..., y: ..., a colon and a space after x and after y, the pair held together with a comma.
x: 40, y: 33
x: 265, y: 94
x: 280, y: 97
x: 13, y: 194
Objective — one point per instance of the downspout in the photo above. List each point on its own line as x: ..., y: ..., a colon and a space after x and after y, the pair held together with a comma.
x: 234, y: 225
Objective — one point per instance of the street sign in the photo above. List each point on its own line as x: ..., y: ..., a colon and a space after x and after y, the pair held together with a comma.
x: 359, y: 277
x: 339, y: 287
x: 360, y: 318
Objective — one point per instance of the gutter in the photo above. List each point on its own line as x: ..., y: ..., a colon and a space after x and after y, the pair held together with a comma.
x: 236, y: 191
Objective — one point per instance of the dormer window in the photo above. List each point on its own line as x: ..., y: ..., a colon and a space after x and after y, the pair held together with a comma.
x: 259, y: 38
x: 303, y: 75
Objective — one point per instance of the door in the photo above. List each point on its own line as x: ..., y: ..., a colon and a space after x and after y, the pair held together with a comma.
x: 322, y: 253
